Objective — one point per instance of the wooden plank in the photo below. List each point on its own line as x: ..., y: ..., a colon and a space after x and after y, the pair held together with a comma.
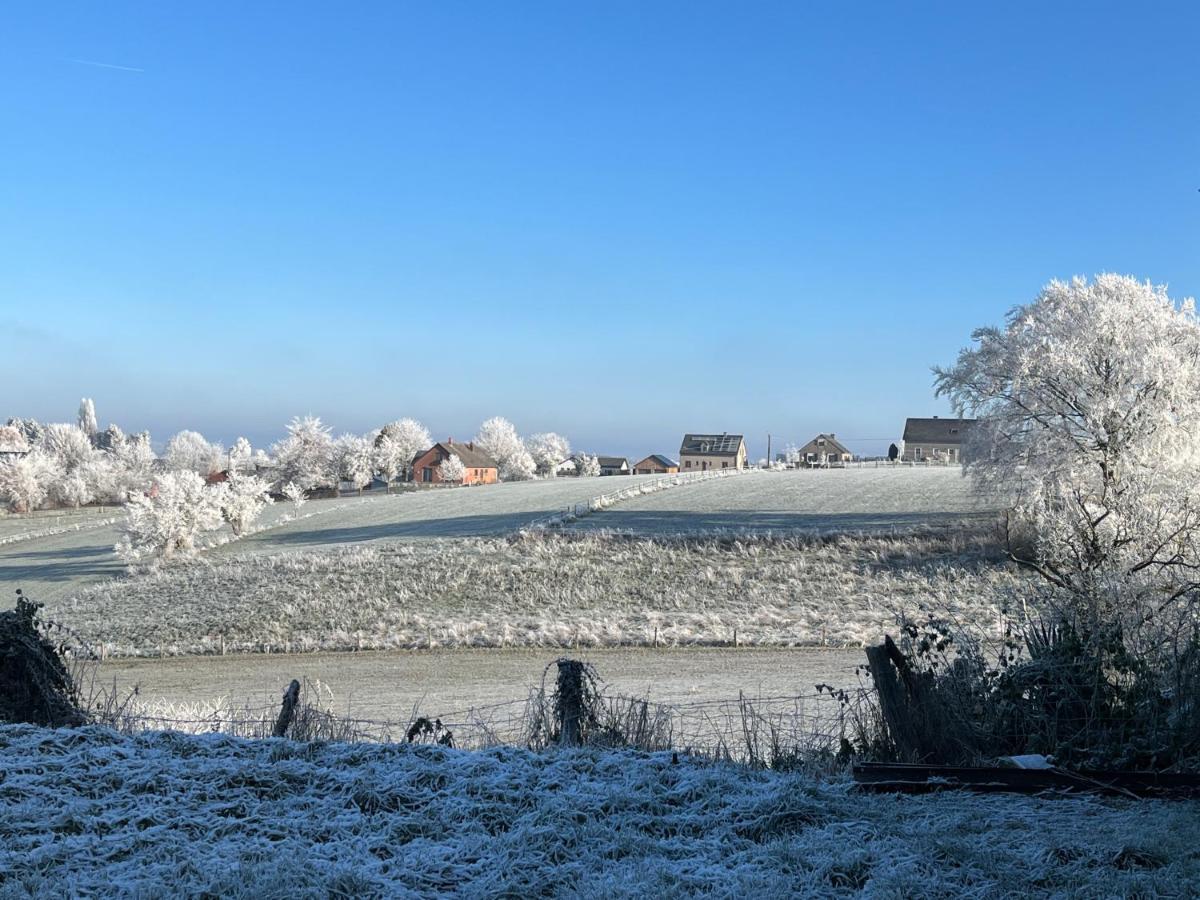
x: 913, y: 778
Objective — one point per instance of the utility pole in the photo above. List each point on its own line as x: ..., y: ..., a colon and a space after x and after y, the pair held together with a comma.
x: 768, y: 449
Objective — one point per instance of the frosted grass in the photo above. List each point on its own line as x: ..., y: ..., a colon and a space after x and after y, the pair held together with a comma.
x: 88, y: 812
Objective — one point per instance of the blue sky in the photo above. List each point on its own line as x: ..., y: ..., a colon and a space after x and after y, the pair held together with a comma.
x: 620, y: 221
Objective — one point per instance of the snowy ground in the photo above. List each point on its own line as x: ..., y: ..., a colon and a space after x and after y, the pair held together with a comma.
x: 55, y: 566
x: 88, y: 812
x: 823, y: 500
x: 552, y: 590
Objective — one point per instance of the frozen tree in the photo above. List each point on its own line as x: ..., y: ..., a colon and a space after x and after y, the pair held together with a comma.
x: 12, y: 439
x: 243, y: 497
x: 499, y: 439
x: 588, y: 465
x: 397, y: 445
x: 109, y: 439
x: 295, y: 494
x: 170, y: 518
x: 87, y: 418
x: 25, y: 480
x: 548, y: 451
x: 31, y: 428
x: 355, y: 458
x: 132, y: 466
x: 306, y: 456
x: 67, y: 444
x: 241, y: 456
x: 452, y: 469
x: 188, y: 451
x: 1089, y: 431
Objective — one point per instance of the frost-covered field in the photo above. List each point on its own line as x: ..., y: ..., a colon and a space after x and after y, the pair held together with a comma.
x: 824, y: 500
x: 548, y: 590
x: 54, y: 566
x: 89, y: 812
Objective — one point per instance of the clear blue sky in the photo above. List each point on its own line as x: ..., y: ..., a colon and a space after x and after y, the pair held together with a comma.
x: 620, y: 221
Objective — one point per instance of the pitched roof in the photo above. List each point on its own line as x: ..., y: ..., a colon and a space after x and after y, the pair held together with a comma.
x: 936, y: 431
x: 471, y: 458
x: 710, y: 444
x: 612, y: 462
x: 832, y: 444
x: 665, y: 461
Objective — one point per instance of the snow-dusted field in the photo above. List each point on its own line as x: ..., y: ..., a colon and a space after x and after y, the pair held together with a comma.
x: 547, y: 590
x: 88, y: 812
x: 52, y: 567
x: 823, y: 500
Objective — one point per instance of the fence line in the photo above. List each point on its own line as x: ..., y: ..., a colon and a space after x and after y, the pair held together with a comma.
x: 604, y: 501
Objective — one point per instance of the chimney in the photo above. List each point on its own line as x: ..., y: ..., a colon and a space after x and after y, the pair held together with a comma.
x: 832, y: 435
x: 449, y: 442
x: 470, y: 445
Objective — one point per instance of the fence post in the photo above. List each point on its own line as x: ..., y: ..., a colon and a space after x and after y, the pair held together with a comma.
x: 291, y: 697
x: 569, y: 702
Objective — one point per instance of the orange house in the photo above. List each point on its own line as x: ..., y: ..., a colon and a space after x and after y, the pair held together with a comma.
x: 480, y: 468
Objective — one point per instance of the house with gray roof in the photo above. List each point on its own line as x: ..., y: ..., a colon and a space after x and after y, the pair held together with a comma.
x: 614, y: 465
x: 712, y: 451
x: 935, y: 439
x: 823, y: 451
x: 656, y: 464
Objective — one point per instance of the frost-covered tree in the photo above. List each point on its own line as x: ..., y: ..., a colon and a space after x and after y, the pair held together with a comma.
x: 241, y: 456
x: 31, y: 428
x: 1089, y: 431
x: 67, y: 444
x: 588, y: 465
x: 306, y: 455
x: 397, y: 445
x: 87, y: 418
x: 189, y: 451
x: 170, y: 518
x: 452, y: 469
x: 132, y: 466
x: 243, y: 497
x: 109, y: 439
x: 295, y: 495
x: 499, y: 439
x: 25, y: 480
x: 12, y: 439
x: 355, y: 459
x: 548, y: 451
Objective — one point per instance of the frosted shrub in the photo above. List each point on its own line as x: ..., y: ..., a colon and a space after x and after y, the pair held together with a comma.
x: 25, y: 480
x: 171, y: 517
x: 295, y: 494
x: 242, y: 498
x: 453, y: 470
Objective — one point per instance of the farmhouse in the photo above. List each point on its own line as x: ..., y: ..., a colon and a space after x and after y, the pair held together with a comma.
x: 614, y: 465
x: 656, y: 464
x: 712, y: 451
x: 480, y: 468
x: 825, y: 450
x: 935, y: 440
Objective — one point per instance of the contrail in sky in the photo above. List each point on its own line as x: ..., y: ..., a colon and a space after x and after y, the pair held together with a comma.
x: 88, y: 62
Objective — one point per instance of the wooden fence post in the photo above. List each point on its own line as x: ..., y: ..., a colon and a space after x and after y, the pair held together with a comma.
x: 291, y: 697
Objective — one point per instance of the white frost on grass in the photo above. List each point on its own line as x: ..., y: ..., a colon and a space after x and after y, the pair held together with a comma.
x: 51, y: 532
x: 90, y: 812
x: 549, y: 590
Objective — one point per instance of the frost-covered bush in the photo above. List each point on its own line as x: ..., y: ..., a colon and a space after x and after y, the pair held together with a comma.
x: 171, y: 517
x: 87, y: 418
x: 452, y: 469
x: 67, y: 444
x: 243, y: 497
x: 588, y: 465
x: 25, y: 480
x: 295, y: 494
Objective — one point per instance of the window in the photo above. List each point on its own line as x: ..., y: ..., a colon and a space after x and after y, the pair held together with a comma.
x: 688, y: 464
x: 724, y: 465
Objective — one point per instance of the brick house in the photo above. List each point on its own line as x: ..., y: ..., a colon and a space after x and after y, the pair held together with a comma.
x: 712, y: 451
x: 656, y: 464
x: 935, y: 440
x: 480, y: 468
x: 824, y: 450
